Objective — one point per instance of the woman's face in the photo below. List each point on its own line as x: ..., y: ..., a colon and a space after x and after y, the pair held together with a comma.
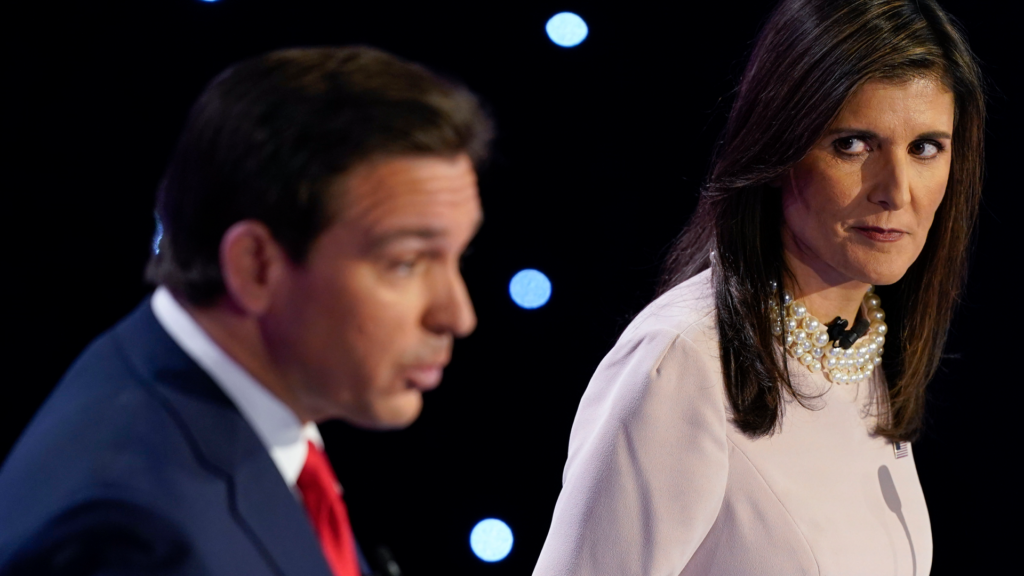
x: 859, y: 205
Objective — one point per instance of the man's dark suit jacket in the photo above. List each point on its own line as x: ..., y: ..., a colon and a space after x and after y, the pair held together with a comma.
x: 139, y: 464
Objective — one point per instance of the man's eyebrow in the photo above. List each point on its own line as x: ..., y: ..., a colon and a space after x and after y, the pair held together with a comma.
x: 419, y: 233
x: 426, y: 233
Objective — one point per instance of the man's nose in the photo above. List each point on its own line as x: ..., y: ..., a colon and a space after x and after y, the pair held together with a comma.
x: 889, y: 178
x: 452, y: 309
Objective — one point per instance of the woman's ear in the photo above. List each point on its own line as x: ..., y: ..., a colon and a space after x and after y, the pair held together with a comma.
x: 251, y: 264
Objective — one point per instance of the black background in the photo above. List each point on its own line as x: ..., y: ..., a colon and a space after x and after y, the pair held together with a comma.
x: 600, y: 154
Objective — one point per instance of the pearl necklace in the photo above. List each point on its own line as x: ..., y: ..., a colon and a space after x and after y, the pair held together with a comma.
x: 805, y: 338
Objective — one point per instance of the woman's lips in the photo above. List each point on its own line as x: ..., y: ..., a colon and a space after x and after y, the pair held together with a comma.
x: 425, y: 378
x: 880, y: 234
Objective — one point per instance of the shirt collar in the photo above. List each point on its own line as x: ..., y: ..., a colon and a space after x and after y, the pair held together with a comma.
x: 281, y: 432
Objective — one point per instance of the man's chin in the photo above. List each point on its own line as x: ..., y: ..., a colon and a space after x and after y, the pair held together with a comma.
x: 392, y: 413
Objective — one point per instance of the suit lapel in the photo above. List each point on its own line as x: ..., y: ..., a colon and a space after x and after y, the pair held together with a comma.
x: 226, y: 445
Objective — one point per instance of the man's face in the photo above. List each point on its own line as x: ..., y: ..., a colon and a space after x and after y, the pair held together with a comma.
x: 366, y: 324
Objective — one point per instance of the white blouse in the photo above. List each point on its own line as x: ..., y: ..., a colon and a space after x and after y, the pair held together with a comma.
x: 660, y: 482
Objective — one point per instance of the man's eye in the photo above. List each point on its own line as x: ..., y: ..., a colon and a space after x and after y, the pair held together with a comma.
x: 925, y: 149
x: 850, y: 145
x: 404, y: 267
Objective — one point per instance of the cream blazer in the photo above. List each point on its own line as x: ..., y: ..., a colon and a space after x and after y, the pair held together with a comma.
x: 658, y: 480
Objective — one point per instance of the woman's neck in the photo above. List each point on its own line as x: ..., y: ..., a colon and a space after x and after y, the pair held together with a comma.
x: 826, y: 292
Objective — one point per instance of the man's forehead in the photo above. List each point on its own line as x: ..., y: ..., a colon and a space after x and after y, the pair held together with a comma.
x: 414, y: 197
x: 406, y: 186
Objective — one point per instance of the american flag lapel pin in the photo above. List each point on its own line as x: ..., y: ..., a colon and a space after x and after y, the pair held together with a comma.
x: 902, y: 449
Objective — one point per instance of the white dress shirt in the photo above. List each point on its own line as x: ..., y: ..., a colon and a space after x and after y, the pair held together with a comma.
x: 282, y: 433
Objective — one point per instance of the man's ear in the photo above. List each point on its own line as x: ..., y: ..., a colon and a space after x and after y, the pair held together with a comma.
x: 252, y: 263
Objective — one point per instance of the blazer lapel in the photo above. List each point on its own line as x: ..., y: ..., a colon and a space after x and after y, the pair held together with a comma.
x: 225, y: 443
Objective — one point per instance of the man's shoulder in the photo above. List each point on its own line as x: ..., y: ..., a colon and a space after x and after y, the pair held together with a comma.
x: 138, y: 446
x: 103, y: 432
x: 103, y: 402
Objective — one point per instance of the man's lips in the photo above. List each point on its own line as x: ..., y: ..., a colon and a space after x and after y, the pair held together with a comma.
x: 880, y: 234
x: 425, y: 377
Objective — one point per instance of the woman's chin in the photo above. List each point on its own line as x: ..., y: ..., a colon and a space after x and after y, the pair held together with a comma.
x: 880, y: 274
x: 878, y: 268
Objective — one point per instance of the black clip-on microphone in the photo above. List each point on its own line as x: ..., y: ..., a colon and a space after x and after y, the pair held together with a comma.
x: 845, y: 338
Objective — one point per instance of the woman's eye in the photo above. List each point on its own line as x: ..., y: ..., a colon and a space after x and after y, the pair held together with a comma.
x: 925, y: 149
x: 851, y: 145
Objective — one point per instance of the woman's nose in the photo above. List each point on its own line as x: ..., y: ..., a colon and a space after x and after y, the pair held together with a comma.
x: 889, y: 179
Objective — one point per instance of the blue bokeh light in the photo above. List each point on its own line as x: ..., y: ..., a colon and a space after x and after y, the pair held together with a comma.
x: 491, y: 540
x: 566, y: 29
x: 530, y: 289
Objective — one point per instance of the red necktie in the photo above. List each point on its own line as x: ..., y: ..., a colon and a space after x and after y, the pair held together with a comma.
x: 321, y: 495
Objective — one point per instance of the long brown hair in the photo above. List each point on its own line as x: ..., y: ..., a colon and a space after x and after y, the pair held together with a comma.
x: 810, y: 57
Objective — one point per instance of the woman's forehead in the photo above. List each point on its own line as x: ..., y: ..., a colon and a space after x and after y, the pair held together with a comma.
x: 918, y: 103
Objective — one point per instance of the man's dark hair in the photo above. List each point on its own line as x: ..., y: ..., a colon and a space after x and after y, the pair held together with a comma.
x: 268, y: 136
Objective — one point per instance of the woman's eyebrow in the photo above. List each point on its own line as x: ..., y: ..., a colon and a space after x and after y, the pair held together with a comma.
x: 931, y: 135
x: 848, y: 130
